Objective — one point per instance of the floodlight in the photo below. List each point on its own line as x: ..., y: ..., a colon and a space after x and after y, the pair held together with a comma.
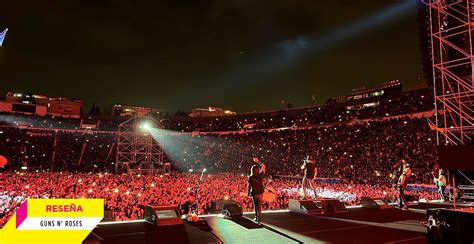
x: 146, y: 126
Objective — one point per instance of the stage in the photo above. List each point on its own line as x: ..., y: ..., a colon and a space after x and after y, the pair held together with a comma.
x: 358, y: 225
x: 445, y: 204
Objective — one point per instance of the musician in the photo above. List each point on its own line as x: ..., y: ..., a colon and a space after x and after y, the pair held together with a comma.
x: 255, y: 188
x: 188, y: 206
x: 440, y: 182
x: 310, y: 173
x: 402, y: 183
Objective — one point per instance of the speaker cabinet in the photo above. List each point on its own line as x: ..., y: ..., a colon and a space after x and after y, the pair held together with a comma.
x: 304, y: 207
x: 163, y: 215
x: 331, y: 205
x: 369, y: 202
x: 232, y: 209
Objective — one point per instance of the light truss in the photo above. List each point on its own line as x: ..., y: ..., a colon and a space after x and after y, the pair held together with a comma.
x: 137, y: 150
x: 451, y: 30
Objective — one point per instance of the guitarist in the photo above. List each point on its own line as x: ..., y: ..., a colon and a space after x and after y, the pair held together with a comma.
x: 255, y: 188
x: 440, y: 182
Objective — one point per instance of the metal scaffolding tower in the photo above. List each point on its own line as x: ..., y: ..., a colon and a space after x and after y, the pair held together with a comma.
x: 451, y: 34
x: 137, y: 150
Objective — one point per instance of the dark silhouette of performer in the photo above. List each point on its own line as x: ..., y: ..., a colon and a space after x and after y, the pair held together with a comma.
x: 310, y: 173
x: 402, y: 183
x: 255, y: 188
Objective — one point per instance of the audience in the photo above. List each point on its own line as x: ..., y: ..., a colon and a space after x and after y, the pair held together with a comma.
x: 127, y: 195
x: 51, y: 157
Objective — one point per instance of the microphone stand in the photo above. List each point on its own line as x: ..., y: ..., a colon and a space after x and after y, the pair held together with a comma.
x: 197, y: 191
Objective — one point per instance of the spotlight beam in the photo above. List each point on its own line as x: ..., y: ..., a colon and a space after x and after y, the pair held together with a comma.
x: 3, y: 34
x: 285, y: 55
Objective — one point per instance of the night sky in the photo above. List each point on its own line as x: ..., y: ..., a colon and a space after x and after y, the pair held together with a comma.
x: 243, y: 55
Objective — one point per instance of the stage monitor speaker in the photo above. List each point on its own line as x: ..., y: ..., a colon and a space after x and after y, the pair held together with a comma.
x: 450, y: 225
x: 232, y: 209
x: 304, y: 207
x: 161, y: 215
x: 108, y: 215
x: 332, y: 205
x: 369, y: 202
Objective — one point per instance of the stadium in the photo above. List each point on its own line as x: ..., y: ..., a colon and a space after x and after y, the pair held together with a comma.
x: 392, y: 162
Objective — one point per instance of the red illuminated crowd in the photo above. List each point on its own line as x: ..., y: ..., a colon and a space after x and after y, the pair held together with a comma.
x: 71, y: 163
x: 127, y: 195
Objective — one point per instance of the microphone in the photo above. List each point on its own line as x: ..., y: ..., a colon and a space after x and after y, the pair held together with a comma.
x: 202, y: 173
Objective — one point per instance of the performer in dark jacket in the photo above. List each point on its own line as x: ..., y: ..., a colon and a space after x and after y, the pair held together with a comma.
x: 256, y: 188
x: 402, y: 183
x: 310, y: 173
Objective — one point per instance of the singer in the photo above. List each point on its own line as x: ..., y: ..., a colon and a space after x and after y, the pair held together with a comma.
x: 310, y: 173
x: 255, y: 188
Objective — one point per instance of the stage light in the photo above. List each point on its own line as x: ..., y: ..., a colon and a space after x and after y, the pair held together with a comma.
x: 145, y: 125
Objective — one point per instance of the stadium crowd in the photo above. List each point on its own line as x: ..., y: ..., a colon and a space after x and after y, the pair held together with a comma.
x: 362, y: 153
x: 127, y: 195
x: 403, y: 103
x: 64, y: 162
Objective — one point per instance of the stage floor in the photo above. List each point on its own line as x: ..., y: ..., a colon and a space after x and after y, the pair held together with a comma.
x: 360, y: 225
x: 446, y: 204
x: 356, y: 226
